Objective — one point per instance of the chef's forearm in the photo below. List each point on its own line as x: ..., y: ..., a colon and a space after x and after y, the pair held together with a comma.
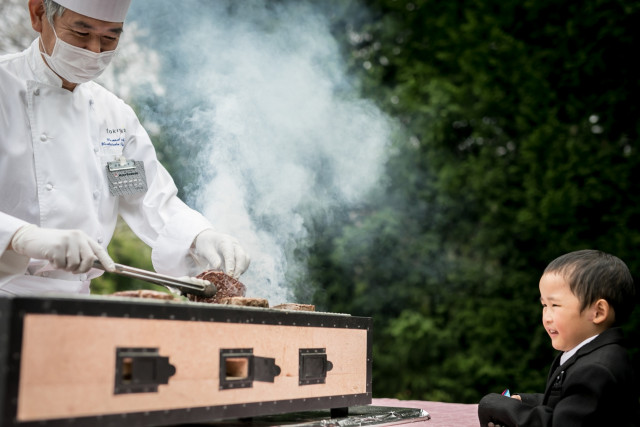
x: 9, y: 225
x: 11, y: 263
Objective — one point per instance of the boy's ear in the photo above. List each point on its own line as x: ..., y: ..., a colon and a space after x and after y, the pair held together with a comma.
x: 602, y: 312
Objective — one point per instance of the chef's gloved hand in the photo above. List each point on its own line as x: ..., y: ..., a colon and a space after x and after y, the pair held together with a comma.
x: 70, y: 250
x: 217, y: 251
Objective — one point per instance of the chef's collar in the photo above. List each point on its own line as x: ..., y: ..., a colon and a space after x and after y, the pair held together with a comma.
x: 43, y: 73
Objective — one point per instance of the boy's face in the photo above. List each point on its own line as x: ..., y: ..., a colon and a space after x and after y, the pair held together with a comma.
x: 561, y: 315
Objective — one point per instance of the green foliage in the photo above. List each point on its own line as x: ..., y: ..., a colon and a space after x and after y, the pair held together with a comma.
x: 518, y: 143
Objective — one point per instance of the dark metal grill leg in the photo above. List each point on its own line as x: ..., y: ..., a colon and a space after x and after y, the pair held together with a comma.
x: 339, y: 412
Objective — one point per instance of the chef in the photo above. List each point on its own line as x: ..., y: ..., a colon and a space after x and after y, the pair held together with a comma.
x: 73, y: 157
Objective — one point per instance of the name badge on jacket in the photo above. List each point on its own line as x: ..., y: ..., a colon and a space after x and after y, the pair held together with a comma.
x: 126, y: 177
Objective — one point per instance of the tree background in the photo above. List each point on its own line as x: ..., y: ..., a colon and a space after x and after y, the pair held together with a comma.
x: 516, y: 142
x: 519, y: 143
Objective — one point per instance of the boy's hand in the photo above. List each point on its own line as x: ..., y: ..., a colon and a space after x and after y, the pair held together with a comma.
x: 513, y: 396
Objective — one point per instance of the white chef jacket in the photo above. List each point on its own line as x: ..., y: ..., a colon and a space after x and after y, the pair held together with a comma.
x: 54, y: 146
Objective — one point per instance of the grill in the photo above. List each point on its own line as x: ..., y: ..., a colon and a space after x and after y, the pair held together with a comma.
x: 106, y: 361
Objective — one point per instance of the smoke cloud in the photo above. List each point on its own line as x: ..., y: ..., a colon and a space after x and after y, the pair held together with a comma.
x: 257, y: 102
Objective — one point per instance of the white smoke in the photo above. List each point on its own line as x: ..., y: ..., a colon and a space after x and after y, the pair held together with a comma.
x: 134, y: 68
x: 285, y: 135
x: 15, y: 26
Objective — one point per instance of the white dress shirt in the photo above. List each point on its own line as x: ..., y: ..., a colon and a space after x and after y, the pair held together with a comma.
x: 567, y: 354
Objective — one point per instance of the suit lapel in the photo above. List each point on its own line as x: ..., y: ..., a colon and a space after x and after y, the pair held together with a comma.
x: 554, y: 375
x: 557, y: 371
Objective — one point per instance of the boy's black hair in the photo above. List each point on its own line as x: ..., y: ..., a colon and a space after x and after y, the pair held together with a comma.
x: 592, y: 275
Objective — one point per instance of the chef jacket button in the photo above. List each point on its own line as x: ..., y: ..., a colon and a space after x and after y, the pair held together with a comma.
x: 49, y: 187
x: 36, y: 92
x: 96, y: 149
x: 96, y: 194
x: 83, y: 277
x: 43, y: 137
x: 100, y: 239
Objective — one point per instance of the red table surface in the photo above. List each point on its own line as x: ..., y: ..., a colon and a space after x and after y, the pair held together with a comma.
x: 442, y: 414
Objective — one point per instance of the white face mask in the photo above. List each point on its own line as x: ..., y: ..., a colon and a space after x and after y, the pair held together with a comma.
x: 75, y: 64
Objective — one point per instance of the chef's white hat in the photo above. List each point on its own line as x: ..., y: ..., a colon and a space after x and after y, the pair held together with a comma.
x: 105, y: 10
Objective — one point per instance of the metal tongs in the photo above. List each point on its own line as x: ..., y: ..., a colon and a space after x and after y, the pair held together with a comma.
x: 172, y: 283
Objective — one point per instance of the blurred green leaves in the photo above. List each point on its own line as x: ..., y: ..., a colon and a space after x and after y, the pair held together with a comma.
x: 518, y: 142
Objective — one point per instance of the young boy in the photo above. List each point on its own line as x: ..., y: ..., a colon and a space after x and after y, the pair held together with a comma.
x: 585, y: 296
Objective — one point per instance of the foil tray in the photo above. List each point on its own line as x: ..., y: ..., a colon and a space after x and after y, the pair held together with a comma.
x: 357, y: 416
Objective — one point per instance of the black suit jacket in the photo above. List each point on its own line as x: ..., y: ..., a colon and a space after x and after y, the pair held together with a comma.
x: 595, y: 387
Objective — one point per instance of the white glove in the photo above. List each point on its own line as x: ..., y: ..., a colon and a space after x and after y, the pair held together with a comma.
x: 70, y: 250
x: 217, y: 251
